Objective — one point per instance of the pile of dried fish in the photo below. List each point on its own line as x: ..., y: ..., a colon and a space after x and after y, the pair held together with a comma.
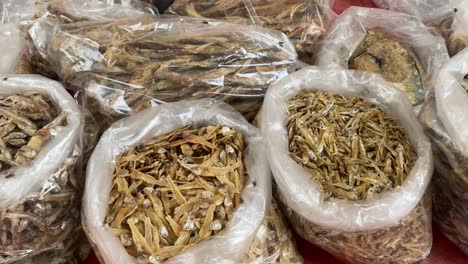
x: 128, y: 66
x: 350, y: 147
x: 450, y: 180
x: 176, y: 190
x: 273, y: 241
x: 48, y: 220
x: 396, y: 63
x: 301, y: 20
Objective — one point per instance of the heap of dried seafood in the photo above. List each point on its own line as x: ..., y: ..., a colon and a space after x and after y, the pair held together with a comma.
x: 128, y: 66
x: 176, y: 190
x: 450, y: 180
x: 273, y: 241
x: 350, y: 147
x: 47, y: 221
x: 396, y: 63
x: 301, y: 20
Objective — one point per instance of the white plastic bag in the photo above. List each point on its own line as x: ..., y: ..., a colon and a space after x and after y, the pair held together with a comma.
x: 346, y: 221
x: 13, y: 45
x: 351, y: 27
x: 232, y: 245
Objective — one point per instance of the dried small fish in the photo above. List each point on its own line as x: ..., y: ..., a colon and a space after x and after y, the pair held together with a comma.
x: 351, y: 148
x: 273, y: 242
x: 396, y: 63
x: 301, y: 20
x: 176, y: 190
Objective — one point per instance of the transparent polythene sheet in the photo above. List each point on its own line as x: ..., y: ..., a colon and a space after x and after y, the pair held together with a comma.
x: 31, y: 177
x: 452, y: 99
x: 16, y: 11
x: 351, y: 27
x: 301, y: 194
x: 13, y: 45
x: 228, y: 247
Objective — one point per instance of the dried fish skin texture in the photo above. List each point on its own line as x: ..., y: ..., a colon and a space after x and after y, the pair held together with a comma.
x: 396, y: 63
x: 303, y: 21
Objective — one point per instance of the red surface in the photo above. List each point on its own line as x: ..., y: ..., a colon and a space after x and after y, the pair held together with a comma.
x: 443, y: 251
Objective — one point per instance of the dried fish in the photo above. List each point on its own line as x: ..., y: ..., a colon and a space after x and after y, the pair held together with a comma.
x: 351, y: 148
x: 396, y: 63
x: 176, y: 190
x: 301, y: 20
x: 450, y: 180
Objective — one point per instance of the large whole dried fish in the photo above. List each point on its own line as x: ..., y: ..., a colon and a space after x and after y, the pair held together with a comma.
x: 130, y: 65
x: 396, y: 63
x: 176, y: 190
x: 301, y: 20
x: 350, y: 147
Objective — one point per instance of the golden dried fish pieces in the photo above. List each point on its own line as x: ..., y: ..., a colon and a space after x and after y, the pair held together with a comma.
x: 176, y: 190
x: 396, y: 63
x: 301, y: 20
x: 351, y: 148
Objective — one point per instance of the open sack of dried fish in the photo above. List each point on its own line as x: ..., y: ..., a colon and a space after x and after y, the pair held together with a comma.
x: 181, y: 182
x: 131, y: 64
x: 351, y: 164
x: 445, y: 118
x: 396, y: 45
x: 303, y: 21
x: 40, y: 178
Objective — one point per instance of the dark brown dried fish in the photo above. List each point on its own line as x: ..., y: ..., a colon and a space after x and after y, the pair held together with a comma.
x: 396, y: 63
x: 351, y: 148
x: 176, y: 190
x: 301, y: 20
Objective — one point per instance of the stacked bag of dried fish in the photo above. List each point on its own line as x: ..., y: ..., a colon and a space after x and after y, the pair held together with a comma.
x: 396, y: 45
x: 40, y: 173
x: 131, y: 64
x: 351, y: 164
x: 445, y: 118
x: 450, y: 16
x: 303, y: 21
x: 183, y: 182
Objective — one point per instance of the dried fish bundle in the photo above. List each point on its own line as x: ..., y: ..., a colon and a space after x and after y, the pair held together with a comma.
x: 129, y: 65
x: 351, y: 163
x: 40, y: 179
x: 176, y: 186
x: 303, y: 21
x: 397, y: 46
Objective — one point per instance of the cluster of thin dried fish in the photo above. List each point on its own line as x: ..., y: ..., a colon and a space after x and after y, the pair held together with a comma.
x: 396, y: 63
x: 350, y: 147
x: 27, y: 122
x: 176, y: 190
x: 408, y: 242
x: 273, y: 241
x: 301, y: 20
x: 128, y: 66
x: 450, y: 180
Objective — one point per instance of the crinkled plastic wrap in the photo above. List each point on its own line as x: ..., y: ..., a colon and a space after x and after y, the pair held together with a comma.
x: 303, y: 21
x: 392, y: 227
x: 351, y: 27
x: 138, y: 128
x: 40, y: 202
x: 444, y: 117
x: 13, y: 44
x: 16, y: 11
x: 131, y: 64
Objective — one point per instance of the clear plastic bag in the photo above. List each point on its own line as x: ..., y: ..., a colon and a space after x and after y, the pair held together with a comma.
x: 40, y: 199
x: 426, y: 51
x: 342, y: 227
x: 131, y: 64
x: 303, y: 21
x: 143, y: 126
x: 444, y: 117
x: 14, y: 46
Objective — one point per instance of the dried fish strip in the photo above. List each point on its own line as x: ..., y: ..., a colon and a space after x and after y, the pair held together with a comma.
x: 176, y: 190
x: 128, y: 66
x: 301, y: 20
x: 273, y: 241
x: 351, y: 148
x: 396, y: 63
